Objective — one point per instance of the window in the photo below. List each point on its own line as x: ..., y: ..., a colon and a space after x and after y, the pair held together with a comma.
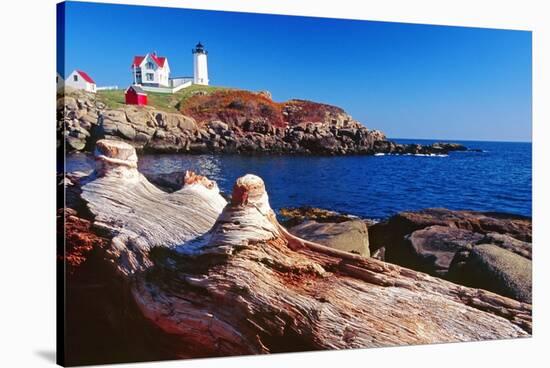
x: 150, y: 65
x: 149, y: 76
x: 75, y: 78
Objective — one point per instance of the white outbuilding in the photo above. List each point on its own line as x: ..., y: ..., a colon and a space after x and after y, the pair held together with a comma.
x: 81, y: 80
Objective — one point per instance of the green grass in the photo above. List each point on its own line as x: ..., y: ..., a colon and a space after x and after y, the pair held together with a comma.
x: 185, y: 93
x: 163, y: 101
x: 112, y: 98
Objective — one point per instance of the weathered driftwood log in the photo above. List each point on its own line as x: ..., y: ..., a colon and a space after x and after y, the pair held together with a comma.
x: 228, y: 279
x: 140, y: 216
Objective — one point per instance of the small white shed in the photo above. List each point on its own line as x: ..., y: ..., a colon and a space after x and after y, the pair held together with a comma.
x: 81, y: 80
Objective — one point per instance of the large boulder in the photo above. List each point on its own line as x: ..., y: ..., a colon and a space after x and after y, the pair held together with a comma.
x: 75, y: 143
x: 392, y: 231
x: 115, y: 115
x: 507, y: 242
x: 448, y: 244
x: 171, y: 121
x: 490, y: 267
x: 432, y: 249
x: 126, y: 131
x: 350, y: 236
x: 69, y: 103
x: 167, y: 142
x: 186, y: 122
x: 89, y: 119
x: 139, y: 116
x: 292, y: 216
x: 218, y: 126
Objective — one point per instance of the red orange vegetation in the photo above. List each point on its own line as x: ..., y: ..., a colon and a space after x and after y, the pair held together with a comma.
x: 299, y: 111
x: 236, y: 107
x: 233, y: 107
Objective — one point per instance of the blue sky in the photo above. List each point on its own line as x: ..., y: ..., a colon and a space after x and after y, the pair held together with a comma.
x: 410, y: 81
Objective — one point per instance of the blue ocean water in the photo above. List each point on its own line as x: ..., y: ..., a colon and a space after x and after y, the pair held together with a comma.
x: 496, y: 179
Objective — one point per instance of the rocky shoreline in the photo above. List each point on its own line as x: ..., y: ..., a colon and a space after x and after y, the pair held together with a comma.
x: 252, y: 125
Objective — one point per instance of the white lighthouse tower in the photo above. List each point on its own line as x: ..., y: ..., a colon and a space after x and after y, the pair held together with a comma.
x: 200, y: 65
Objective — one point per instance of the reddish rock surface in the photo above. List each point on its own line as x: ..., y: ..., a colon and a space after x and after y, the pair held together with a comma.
x: 80, y: 240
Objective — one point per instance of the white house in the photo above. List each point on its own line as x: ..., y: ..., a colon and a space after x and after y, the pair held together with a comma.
x: 80, y: 80
x: 151, y: 70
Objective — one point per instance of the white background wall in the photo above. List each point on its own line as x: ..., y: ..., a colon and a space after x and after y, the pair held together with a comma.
x: 27, y: 310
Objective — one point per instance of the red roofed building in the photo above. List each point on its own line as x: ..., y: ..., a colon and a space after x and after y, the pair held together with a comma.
x: 135, y: 95
x: 79, y: 79
x: 151, y: 70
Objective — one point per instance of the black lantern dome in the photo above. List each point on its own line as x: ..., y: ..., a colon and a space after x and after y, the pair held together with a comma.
x: 199, y: 49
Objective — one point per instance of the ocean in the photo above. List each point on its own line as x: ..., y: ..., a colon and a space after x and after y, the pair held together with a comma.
x: 499, y: 178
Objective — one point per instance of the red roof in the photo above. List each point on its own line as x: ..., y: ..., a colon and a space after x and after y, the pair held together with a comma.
x: 86, y: 77
x: 159, y: 60
x: 137, y: 89
x: 137, y: 60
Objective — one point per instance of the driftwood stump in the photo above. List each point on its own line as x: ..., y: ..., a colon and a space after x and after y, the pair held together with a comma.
x: 222, y: 278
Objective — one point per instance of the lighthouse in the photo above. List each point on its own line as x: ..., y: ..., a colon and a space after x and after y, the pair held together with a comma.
x: 200, y: 65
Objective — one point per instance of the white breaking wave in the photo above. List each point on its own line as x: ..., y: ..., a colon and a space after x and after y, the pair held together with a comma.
x: 430, y: 155
x: 411, y: 154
